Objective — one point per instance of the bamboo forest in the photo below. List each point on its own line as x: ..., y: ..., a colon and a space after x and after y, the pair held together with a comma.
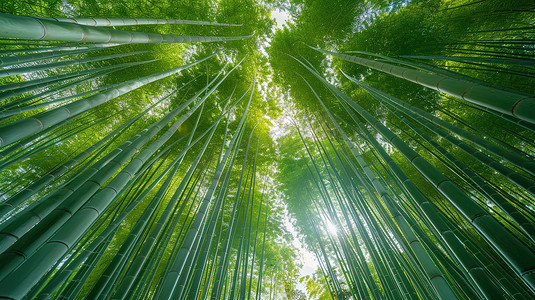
x: 263, y: 149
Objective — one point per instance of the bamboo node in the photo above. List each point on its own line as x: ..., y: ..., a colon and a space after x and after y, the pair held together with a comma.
x: 478, y: 216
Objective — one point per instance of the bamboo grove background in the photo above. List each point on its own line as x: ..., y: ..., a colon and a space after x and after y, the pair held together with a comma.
x: 139, y: 157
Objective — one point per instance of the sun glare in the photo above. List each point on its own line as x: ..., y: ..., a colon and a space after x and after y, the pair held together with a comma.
x: 331, y: 228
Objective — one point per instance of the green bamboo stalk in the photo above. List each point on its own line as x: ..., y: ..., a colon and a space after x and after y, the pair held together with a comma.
x: 500, y: 141
x: 42, y: 67
x: 186, y: 226
x: 57, y: 48
x: 60, y: 79
x: 77, y: 282
x: 260, y: 277
x: 190, y: 261
x: 511, y: 61
x: 243, y: 284
x: 233, y: 221
x: 487, y: 285
x: 198, y: 272
x: 31, y: 28
x: 19, y: 59
x: 239, y: 258
x: 133, y: 271
x: 521, y: 258
x: 50, y: 214
x: 20, y: 129
x: 431, y: 270
x: 195, y: 276
x: 256, y: 238
x: 348, y: 253
x: 40, y: 183
x: 41, y: 136
x: 216, y: 211
x: 513, y: 104
x: 34, y: 214
x: 424, y: 118
x: 123, y: 256
x: 59, y: 139
x: 211, y: 274
x: 65, y: 237
x: 11, y: 112
x: 37, y: 83
x: 76, y: 198
x: 131, y: 21
x: 336, y: 285
x: 486, y: 189
x: 58, y: 245
x: 63, y: 274
x: 400, y: 281
x: 170, y: 230
x: 373, y: 288
x: 172, y: 277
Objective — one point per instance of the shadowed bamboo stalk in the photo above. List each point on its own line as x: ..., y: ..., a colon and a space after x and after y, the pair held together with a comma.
x: 31, y: 28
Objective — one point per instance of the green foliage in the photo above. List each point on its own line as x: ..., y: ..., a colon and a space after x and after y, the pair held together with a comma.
x: 306, y: 166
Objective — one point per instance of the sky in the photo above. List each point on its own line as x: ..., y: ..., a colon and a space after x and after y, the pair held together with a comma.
x: 308, y: 259
x: 281, y: 17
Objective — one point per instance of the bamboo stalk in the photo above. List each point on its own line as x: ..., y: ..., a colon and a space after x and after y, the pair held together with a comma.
x: 32, y: 28
x: 513, y: 104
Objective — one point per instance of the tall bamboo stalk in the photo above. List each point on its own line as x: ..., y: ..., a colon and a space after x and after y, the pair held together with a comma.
x: 172, y: 277
x: 12, y: 132
x: 514, y: 104
x: 432, y: 272
x: 521, y: 258
x: 32, y: 28
x: 131, y: 21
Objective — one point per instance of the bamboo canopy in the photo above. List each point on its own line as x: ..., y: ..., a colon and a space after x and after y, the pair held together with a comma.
x: 393, y: 158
